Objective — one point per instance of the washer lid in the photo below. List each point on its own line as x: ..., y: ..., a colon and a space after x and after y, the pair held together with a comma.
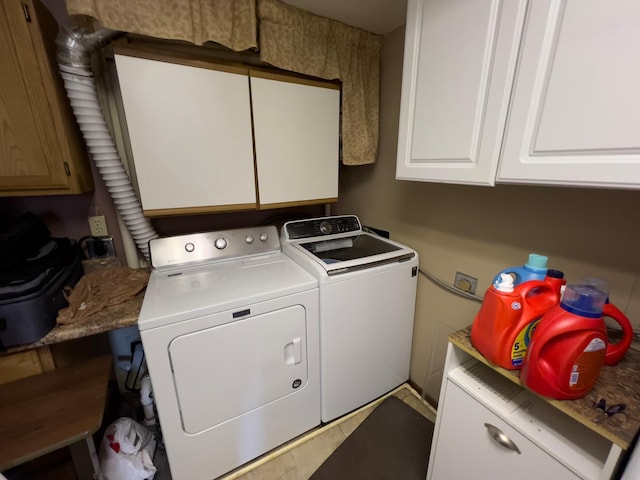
x: 339, y: 254
x: 189, y: 292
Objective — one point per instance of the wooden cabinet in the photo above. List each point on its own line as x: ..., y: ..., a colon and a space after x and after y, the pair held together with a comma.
x: 41, y: 151
x: 540, y: 92
x: 502, y: 430
x: 209, y: 137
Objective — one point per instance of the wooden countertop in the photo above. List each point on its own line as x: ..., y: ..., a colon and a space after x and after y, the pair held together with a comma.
x: 111, y: 318
x: 618, y: 384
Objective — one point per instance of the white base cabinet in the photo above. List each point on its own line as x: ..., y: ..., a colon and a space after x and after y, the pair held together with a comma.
x: 467, y: 441
x: 488, y: 428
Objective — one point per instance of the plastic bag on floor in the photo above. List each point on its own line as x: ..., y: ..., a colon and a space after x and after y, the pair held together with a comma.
x: 126, y: 451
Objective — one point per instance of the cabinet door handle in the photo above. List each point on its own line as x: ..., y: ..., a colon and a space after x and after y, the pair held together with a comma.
x: 501, y: 437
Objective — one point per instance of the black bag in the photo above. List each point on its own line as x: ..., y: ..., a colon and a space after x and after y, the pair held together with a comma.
x: 34, y: 269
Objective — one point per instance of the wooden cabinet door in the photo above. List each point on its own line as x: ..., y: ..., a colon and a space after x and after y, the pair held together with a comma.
x: 30, y: 155
x: 190, y: 133
x: 575, y: 114
x: 459, y: 62
x: 296, y: 128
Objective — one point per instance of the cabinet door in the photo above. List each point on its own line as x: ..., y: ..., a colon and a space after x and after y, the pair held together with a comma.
x: 296, y: 126
x: 459, y: 62
x: 40, y: 149
x: 465, y: 448
x: 190, y: 134
x: 575, y: 111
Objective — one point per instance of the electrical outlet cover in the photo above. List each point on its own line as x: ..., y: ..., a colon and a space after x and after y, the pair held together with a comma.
x: 99, y: 247
x: 98, y: 226
x: 466, y: 283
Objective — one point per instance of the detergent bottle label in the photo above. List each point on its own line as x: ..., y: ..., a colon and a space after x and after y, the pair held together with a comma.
x: 586, y: 368
x: 521, y: 343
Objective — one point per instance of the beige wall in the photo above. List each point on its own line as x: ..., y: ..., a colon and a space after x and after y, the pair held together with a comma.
x: 481, y: 230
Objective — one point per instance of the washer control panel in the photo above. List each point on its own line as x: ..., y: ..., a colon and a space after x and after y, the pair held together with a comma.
x: 213, y: 246
x: 318, y: 227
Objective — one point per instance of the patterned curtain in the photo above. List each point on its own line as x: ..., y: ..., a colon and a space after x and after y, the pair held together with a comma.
x: 231, y: 23
x: 290, y: 38
x: 301, y: 42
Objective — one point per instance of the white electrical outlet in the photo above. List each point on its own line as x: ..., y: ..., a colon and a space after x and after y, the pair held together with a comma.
x: 98, y: 226
x: 465, y: 282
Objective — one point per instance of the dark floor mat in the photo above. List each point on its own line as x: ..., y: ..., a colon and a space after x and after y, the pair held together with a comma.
x: 392, y: 443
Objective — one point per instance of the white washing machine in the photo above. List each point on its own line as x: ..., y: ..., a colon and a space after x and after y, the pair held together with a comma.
x: 229, y: 327
x: 367, y: 304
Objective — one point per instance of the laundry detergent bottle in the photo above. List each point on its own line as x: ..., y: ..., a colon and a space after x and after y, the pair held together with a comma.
x: 534, y: 269
x: 570, y: 346
x: 509, y: 314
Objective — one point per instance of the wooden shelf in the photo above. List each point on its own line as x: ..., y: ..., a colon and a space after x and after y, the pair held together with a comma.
x: 617, y: 384
x: 45, y: 412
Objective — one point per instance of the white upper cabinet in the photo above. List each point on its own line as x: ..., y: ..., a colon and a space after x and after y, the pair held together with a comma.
x: 297, y: 131
x: 208, y: 136
x: 459, y: 61
x: 190, y: 134
x: 575, y: 114
x: 537, y: 92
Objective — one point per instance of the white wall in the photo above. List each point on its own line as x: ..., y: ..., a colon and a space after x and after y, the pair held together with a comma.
x: 481, y: 230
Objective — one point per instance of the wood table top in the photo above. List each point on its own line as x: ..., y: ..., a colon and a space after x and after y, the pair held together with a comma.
x: 45, y: 412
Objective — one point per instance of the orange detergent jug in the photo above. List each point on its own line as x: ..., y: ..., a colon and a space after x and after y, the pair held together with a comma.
x: 503, y: 327
x: 570, y: 346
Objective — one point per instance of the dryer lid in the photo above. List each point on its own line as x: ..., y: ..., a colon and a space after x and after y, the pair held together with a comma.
x: 192, y: 291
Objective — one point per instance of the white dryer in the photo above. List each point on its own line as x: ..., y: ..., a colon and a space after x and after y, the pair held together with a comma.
x: 367, y: 304
x: 229, y: 327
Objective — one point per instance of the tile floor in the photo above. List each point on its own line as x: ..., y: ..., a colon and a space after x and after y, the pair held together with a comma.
x: 298, y: 459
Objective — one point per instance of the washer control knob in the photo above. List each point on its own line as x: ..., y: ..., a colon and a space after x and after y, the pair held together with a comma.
x: 249, y: 239
x: 325, y: 227
x: 221, y: 243
x: 263, y: 237
x: 189, y: 247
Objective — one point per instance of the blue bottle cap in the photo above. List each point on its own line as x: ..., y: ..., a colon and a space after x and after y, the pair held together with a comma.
x: 584, y: 300
x: 537, y: 262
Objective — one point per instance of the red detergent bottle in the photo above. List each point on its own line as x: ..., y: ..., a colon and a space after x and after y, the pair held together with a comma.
x: 505, y: 323
x: 570, y: 346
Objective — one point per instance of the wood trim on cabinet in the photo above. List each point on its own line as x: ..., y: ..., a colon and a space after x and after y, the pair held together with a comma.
x: 191, y: 55
x: 72, y: 144
x: 162, y: 212
x: 152, y: 52
x: 318, y: 201
x: 291, y: 78
x: 55, y: 129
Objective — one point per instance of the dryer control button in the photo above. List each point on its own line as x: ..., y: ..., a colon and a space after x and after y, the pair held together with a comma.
x: 249, y: 239
x: 221, y: 243
x: 263, y: 237
x: 296, y: 383
x: 189, y: 247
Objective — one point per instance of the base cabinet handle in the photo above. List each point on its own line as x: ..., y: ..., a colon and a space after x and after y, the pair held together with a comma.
x: 501, y: 438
